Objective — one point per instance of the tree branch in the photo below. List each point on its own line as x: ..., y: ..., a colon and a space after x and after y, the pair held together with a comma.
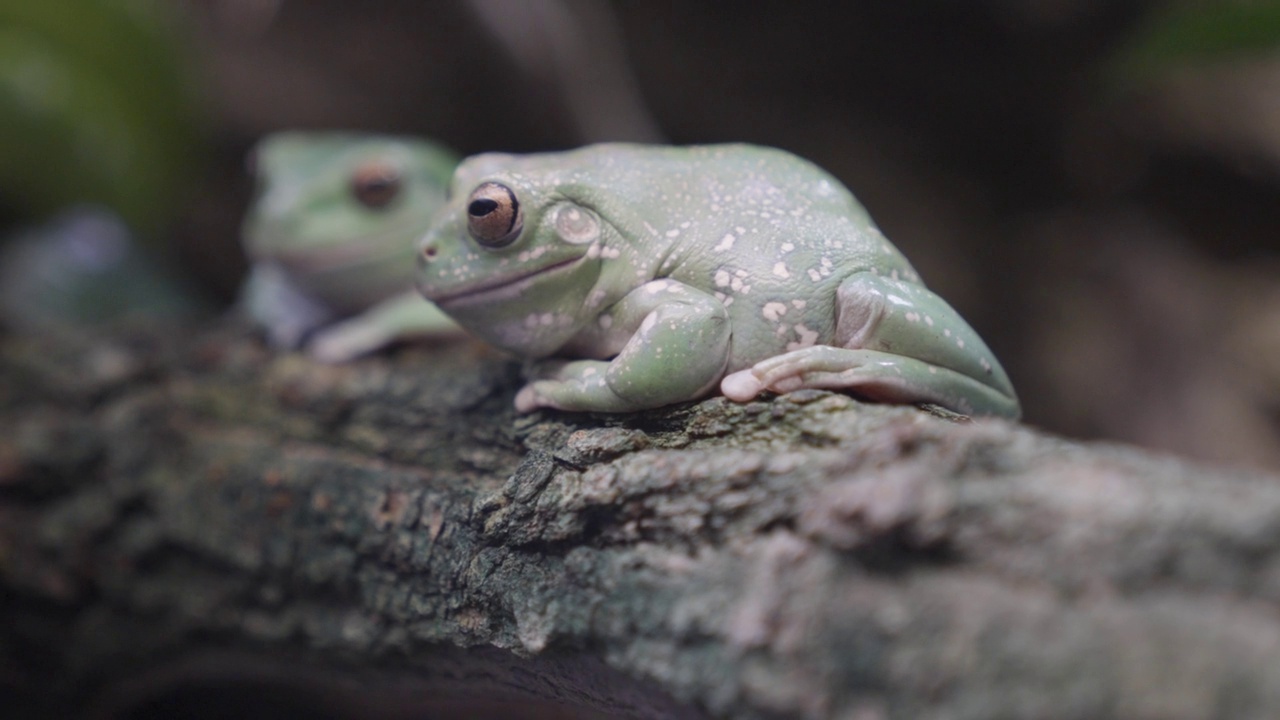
x: 388, y: 538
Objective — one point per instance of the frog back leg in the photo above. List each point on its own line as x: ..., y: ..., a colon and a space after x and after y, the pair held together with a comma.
x: 895, y: 341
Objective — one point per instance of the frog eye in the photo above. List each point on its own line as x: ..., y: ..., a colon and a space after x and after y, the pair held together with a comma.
x: 375, y: 184
x: 493, y: 215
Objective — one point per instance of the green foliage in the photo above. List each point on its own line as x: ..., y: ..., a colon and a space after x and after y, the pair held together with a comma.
x: 95, y: 106
x: 1200, y: 31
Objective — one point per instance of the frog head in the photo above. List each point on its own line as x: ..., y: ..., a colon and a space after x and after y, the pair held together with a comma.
x: 339, y: 211
x: 519, y: 255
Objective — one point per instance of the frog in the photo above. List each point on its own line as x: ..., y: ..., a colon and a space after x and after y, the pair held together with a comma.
x: 634, y: 276
x: 330, y: 239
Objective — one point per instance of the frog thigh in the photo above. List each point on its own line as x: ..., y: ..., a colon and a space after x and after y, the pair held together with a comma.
x: 678, y: 352
x: 895, y: 341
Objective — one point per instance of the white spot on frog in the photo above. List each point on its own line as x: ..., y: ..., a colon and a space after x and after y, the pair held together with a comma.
x: 787, y: 247
x: 649, y: 321
x: 722, y: 278
x: 593, y: 252
x: 814, y: 275
x: 773, y: 310
x: 806, y: 337
x: 673, y: 233
x: 546, y: 318
x: 780, y: 269
x: 605, y: 321
x: 960, y: 343
x: 928, y: 321
x: 798, y: 304
x: 912, y: 317
x: 726, y: 243
x: 900, y: 301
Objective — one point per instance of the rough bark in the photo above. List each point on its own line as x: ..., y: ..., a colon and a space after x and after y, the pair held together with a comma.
x: 389, y: 538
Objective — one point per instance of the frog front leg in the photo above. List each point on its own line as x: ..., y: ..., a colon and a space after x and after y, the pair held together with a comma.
x: 677, y: 350
x: 895, y: 341
x: 400, y: 317
x: 285, y: 311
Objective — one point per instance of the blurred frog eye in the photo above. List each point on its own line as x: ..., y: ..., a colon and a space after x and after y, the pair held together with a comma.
x: 375, y: 184
x: 493, y: 215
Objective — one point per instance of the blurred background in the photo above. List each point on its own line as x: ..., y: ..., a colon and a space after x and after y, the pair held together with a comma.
x: 1094, y: 184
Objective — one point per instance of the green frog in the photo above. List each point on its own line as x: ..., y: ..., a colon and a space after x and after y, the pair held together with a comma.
x: 330, y: 237
x: 642, y: 276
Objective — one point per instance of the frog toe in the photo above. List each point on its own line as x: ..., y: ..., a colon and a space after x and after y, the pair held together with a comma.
x: 741, y: 386
x: 529, y: 399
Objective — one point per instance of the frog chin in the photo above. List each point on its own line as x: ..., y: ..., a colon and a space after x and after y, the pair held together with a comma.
x: 501, y: 289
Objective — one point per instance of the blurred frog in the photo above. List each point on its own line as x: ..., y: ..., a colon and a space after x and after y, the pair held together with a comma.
x: 330, y: 236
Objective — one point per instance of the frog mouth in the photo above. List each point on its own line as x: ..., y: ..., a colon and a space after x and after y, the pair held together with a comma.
x: 499, y: 288
x: 349, y: 252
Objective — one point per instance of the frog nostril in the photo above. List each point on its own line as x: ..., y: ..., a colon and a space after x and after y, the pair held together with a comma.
x: 427, y: 254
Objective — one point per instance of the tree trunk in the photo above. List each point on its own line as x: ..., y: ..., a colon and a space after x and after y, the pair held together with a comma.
x: 194, y: 523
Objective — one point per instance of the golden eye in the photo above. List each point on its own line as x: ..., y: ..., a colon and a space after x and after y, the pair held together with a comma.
x: 493, y: 215
x: 375, y: 184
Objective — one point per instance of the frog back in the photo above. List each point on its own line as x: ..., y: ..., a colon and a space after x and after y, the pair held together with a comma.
x: 768, y: 234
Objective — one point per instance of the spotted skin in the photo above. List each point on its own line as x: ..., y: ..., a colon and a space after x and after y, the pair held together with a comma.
x: 331, y: 237
x: 671, y: 272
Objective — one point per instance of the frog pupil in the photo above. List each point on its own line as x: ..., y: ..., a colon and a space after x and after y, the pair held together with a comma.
x: 482, y: 207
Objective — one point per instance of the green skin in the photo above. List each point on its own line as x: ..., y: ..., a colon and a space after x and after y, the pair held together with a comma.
x: 330, y: 273
x: 659, y: 274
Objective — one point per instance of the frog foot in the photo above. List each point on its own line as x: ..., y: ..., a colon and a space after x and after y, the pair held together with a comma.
x: 579, y: 385
x: 346, y: 341
x: 814, y: 367
x: 872, y: 374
